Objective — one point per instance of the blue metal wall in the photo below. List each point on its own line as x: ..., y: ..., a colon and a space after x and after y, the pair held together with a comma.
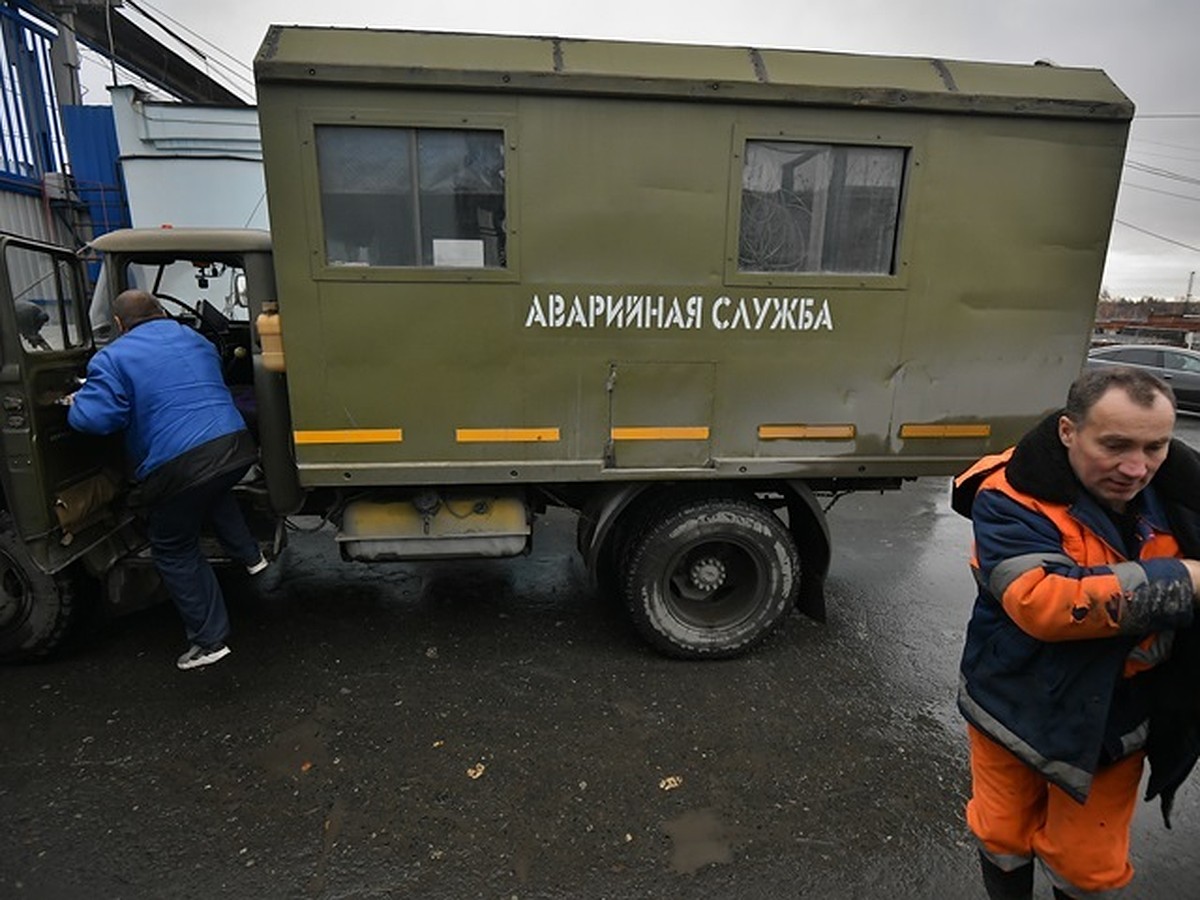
x: 92, y: 140
x: 31, y: 138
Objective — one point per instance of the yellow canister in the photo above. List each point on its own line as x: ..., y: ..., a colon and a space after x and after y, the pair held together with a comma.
x: 271, y: 337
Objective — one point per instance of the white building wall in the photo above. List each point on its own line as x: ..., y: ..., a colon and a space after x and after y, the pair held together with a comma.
x: 188, y: 165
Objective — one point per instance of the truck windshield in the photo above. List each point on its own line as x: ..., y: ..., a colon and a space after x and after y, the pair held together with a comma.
x: 184, y: 287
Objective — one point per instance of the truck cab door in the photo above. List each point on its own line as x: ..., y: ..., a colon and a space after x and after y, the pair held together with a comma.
x: 59, y: 486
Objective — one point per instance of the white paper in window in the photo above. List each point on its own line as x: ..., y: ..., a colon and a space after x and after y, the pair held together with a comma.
x: 458, y: 253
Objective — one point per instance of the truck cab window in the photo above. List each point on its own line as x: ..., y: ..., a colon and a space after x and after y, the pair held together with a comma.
x: 819, y: 208
x: 186, y: 288
x: 45, y: 300
x: 430, y: 197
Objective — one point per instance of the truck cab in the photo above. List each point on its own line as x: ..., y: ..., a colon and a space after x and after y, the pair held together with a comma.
x: 68, y: 538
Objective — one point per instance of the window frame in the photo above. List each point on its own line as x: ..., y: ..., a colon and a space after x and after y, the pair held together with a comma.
x: 895, y: 280
x: 321, y: 270
x: 1190, y: 365
x: 66, y: 274
x: 1120, y: 357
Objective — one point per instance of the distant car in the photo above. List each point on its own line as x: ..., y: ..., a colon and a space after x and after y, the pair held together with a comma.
x: 1177, y: 367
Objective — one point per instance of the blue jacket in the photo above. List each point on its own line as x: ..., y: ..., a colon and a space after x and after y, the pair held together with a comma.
x: 1069, y: 621
x: 161, y: 384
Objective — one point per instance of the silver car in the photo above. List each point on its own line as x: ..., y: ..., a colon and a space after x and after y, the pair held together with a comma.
x: 1176, y: 366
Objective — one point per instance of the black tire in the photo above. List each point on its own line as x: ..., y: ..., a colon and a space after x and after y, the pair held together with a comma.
x: 711, y: 577
x: 36, y: 610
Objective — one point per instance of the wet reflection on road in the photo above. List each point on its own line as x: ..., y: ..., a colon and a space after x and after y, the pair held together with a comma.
x: 489, y: 729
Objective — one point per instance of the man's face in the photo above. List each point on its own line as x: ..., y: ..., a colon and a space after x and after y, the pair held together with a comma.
x: 1119, y: 446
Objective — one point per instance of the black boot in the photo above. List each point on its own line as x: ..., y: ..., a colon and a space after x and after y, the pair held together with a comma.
x: 1001, y: 885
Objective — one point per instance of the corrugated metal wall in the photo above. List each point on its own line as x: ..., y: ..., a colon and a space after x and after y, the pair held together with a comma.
x: 31, y: 217
x: 92, y: 139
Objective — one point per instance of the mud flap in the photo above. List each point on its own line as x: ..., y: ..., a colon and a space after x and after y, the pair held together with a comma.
x: 811, y: 530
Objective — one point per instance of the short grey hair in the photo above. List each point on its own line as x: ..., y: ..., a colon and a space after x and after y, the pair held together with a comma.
x: 1142, y: 387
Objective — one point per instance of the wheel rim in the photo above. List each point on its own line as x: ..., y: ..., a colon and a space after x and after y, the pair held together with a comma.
x: 716, y: 583
x: 15, y: 593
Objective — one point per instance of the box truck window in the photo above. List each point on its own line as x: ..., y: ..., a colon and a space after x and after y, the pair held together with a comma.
x: 46, y: 299
x: 412, y: 196
x: 819, y: 208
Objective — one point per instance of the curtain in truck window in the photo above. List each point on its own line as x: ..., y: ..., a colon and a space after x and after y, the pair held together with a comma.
x: 431, y: 197
x: 819, y: 208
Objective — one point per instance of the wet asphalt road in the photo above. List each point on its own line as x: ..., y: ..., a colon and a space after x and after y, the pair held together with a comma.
x: 488, y: 729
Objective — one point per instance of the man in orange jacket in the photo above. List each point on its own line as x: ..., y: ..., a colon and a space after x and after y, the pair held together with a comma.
x: 1081, y: 588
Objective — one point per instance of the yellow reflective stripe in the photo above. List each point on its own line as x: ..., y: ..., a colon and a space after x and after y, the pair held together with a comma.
x: 351, y: 436
x: 505, y: 435
x: 912, y: 430
x: 676, y: 433
x: 805, y: 432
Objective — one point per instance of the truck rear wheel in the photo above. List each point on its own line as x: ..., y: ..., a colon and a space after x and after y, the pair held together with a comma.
x: 36, y: 609
x: 711, y: 577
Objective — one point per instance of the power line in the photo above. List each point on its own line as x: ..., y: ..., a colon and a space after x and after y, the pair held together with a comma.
x: 110, y: 57
x: 199, y: 37
x: 1158, y: 236
x: 1142, y: 187
x: 1176, y: 156
x: 221, y: 51
x: 1187, y: 115
x: 1163, y: 144
x: 101, y: 61
x: 1138, y: 166
x: 208, y: 61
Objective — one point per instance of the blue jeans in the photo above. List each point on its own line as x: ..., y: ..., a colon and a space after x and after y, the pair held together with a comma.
x: 174, y: 531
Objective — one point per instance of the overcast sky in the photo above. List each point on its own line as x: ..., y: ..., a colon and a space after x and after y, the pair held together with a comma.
x: 1150, y: 48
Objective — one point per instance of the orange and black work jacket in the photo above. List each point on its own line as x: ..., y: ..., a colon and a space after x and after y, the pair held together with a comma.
x: 1074, y: 609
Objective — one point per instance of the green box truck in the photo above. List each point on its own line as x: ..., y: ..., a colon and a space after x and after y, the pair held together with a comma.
x: 686, y: 291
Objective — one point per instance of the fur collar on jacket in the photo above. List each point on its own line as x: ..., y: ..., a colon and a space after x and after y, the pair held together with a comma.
x: 1039, y: 467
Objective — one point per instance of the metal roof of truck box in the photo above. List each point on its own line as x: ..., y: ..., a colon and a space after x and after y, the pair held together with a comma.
x: 744, y: 74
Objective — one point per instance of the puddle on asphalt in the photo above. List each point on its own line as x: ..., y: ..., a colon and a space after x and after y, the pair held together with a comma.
x: 698, y: 839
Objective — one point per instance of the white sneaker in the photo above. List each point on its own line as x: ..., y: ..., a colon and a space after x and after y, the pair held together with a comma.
x: 202, y: 656
x: 255, y: 568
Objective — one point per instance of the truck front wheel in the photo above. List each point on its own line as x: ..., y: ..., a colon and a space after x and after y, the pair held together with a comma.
x: 36, y: 609
x: 711, y: 577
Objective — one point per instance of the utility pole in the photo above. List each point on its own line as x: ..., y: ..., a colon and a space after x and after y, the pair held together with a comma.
x: 64, y: 60
x: 1190, y: 339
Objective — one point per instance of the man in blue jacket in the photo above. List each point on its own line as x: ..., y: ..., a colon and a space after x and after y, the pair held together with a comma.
x: 160, y: 383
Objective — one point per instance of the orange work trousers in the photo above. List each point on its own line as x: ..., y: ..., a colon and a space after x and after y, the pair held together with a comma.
x: 1017, y: 814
